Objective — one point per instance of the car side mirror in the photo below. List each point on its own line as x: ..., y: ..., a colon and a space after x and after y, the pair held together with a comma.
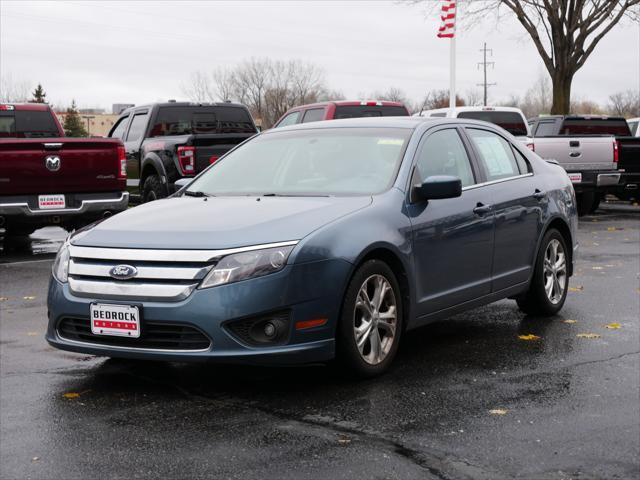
x: 438, y: 187
x: 182, y: 182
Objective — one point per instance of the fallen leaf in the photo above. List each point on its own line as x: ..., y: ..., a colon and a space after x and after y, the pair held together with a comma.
x: 28, y: 297
x: 596, y: 268
x: 35, y: 459
x: 596, y: 244
x: 32, y: 334
x: 569, y: 321
x: 3, y: 299
x: 588, y: 335
x: 577, y: 288
x: 344, y: 440
x: 498, y: 411
x: 529, y: 337
x: 71, y: 395
x: 613, y: 229
x: 613, y: 326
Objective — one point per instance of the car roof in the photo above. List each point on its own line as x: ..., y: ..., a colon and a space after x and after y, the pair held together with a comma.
x: 28, y: 106
x: 379, y: 122
x: 470, y: 109
x: 184, y: 104
x: 350, y: 103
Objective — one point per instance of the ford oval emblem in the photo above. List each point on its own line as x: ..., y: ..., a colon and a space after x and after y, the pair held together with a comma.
x: 123, y: 272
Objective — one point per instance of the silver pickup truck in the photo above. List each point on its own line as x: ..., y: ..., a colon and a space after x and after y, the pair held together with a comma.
x: 590, y: 161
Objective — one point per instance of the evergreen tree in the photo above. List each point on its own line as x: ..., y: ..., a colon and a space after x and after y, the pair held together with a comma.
x: 73, y: 126
x: 39, y: 95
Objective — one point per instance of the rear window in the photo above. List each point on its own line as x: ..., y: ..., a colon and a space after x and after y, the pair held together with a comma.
x: 512, y: 122
x: 595, y: 126
x: 545, y: 129
x: 357, y: 111
x: 27, y: 124
x: 199, y: 120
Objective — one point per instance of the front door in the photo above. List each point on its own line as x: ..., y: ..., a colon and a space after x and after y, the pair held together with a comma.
x: 452, y: 238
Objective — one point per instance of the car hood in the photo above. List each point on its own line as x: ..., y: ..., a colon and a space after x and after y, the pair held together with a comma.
x: 217, y: 222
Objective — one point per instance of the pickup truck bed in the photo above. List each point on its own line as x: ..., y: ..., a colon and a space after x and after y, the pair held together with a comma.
x: 57, y: 180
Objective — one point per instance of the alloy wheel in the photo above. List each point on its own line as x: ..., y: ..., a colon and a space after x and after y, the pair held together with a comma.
x: 555, y: 271
x: 375, y: 319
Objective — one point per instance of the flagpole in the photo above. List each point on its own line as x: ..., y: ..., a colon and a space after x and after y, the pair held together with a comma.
x: 452, y: 75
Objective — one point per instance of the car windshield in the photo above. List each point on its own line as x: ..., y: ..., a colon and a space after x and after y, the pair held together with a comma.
x: 327, y: 161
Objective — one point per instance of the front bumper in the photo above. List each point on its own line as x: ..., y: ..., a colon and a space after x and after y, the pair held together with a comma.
x: 308, y: 291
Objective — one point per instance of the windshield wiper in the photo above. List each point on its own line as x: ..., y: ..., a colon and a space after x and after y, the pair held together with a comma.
x: 293, y: 195
x: 197, y: 194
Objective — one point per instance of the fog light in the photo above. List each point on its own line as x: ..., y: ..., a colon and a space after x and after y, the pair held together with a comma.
x: 270, y: 330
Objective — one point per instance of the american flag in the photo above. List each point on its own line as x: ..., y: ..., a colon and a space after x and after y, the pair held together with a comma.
x: 448, y: 17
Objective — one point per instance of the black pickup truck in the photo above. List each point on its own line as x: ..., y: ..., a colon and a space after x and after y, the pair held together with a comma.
x: 626, y: 148
x: 165, y: 142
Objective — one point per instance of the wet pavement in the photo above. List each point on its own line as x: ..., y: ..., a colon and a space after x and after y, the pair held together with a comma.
x: 466, y: 398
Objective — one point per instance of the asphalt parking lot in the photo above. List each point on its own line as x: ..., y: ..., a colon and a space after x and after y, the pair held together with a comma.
x: 486, y: 394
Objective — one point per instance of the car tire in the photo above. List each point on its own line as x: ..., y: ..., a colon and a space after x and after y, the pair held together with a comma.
x: 153, y: 189
x: 377, y: 323
x: 595, y: 204
x: 19, y: 230
x: 544, y: 298
x: 585, y: 202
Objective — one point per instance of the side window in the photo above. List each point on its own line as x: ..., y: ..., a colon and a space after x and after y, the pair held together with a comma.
x: 523, y: 163
x: 138, y: 125
x: 313, y: 115
x: 495, y: 154
x: 290, y: 119
x: 443, y: 153
x: 545, y: 129
x: 120, y: 128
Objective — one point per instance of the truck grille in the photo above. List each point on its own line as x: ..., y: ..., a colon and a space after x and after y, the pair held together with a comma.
x: 154, y: 336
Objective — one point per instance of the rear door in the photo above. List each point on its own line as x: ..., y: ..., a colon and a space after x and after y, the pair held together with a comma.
x: 517, y: 197
x: 453, y: 237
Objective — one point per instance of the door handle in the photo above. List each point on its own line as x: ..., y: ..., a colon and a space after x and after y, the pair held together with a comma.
x: 575, y: 154
x: 481, y: 209
x: 539, y: 195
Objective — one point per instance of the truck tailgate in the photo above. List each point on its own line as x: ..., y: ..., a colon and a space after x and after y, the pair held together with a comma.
x: 84, y: 165
x: 578, y: 153
x: 211, y: 147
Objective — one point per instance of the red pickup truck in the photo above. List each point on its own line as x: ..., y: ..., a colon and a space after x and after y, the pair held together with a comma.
x: 341, y: 109
x: 49, y: 179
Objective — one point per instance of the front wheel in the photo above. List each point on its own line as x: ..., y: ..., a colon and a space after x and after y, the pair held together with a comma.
x: 153, y: 189
x: 370, y: 326
x: 548, y: 290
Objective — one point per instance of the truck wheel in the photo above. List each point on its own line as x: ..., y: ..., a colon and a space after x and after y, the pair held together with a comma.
x: 153, y: 189
x: 585, y: 202
x: 550, y: 282
x: 19, y: 230
x: 596, y: 203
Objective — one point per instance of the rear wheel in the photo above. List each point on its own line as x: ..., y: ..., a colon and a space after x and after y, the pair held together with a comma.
x: 596, y: 203
x: 369, y: 331
x: 19, y: 230
x: 153, y: 189
x: 585, y: 202
x: 548, y: 290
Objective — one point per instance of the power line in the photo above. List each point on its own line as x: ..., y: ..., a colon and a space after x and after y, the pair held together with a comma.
x: 484, y: 64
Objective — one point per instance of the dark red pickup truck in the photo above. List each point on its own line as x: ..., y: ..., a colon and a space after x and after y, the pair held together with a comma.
x: 49, y: 179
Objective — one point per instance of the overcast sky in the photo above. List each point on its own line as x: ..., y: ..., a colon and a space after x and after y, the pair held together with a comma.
x: 136, y: 52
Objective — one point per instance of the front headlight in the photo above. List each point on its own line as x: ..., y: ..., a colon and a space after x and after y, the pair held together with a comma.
x: 60, y: 268
x: 241, y: 266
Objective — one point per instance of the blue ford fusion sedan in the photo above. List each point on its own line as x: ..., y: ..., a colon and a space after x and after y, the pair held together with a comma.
x: 320, y: 241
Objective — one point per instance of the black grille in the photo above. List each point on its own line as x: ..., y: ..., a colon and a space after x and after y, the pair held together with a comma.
x: 160, y: 336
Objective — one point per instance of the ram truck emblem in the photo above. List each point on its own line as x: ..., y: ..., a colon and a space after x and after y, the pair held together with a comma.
x: 52, y: 163
x: 123, y: 272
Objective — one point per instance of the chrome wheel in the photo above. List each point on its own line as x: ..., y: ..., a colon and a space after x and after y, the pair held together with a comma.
x: 374, y: 319
x: 555, y: 271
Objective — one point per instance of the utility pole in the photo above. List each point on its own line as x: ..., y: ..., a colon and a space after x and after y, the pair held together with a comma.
x: 484, y: 64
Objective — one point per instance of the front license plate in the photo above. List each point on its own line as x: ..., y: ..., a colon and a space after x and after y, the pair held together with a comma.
x: 116, y: 320
x: 46, y: 202
x: 575, y: 177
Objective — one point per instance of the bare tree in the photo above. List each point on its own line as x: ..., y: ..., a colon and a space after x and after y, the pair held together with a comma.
x: 223, y: 84
x: 198, y: 88
x: 537, y: 100
x: 625, y: 104
x: 473, y: 97
x: 392, y: 94
x: 438, y: 99
x: 13, y: 91
x: 564, y: 32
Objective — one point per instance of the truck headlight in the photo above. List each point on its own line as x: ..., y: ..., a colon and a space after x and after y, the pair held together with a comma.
x: 245, y: 265
x: 60, y: 268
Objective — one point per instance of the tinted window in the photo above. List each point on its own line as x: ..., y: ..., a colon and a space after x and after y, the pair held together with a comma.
x: 595, y: 126
x: 327, y: 161
x: 289, y: 119
x: 512, y: 122
x: 27, y: 124
x: 441, y: 115
x: 313, y: 115
x: 181, y: 120
x: 523, y: 163
x: 633, y: 126
x: 356, y: 111
x: 119, y: 130
x: 136, y: 131
x: 495, y: 154
x: 443, y: 153
x: 545, y: 129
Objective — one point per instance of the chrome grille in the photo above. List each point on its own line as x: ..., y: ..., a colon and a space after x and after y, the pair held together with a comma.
x: 162, y: 275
